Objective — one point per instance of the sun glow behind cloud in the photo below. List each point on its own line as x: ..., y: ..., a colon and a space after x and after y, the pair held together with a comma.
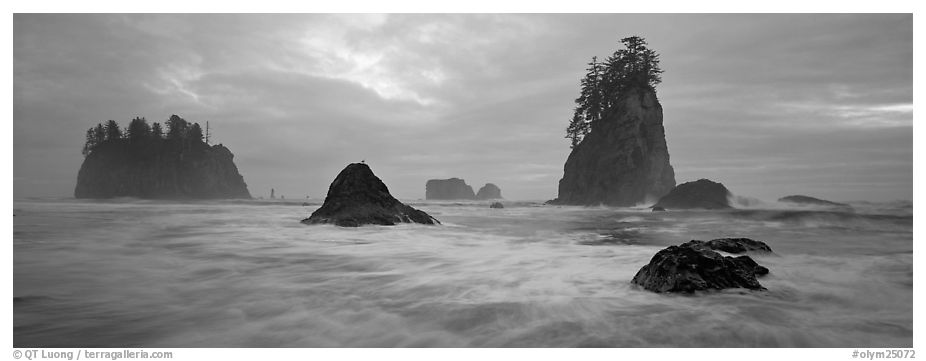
x: 333, y: 54
x: 856, y: 116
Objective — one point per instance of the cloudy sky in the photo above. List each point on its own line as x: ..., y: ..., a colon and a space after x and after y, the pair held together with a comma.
x: 769, y: 105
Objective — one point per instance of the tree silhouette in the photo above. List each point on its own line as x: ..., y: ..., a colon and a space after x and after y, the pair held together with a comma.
x: 156, y: 131
x: 196, y: 133
x: 90, y: 143
x: 177, y: 127
x: 99, y: 134
x: 181, y: 135
x: 112, y: 130
x: 634, y: 66
x: 138, y: 130
x: 577, y: 128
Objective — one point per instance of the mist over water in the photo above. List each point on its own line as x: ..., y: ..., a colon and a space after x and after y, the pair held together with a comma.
x: 247, y: 274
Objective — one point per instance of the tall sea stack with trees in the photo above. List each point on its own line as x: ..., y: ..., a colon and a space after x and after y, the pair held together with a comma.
x: 148, y: 161
x: 619, y: 155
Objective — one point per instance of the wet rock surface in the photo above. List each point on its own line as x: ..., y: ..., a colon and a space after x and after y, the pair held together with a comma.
x: 694, y: 266
x: 738, y: 245
x: 702, y: 193
x: 357, y: 197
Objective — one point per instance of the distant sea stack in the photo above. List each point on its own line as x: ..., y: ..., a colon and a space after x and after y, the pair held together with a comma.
x: 619, y: 155
x: 357, y: 197
x: 701, y: 193
x: 806, y: 200
x: 489, y: 191
x: 145, y: 161
x: 446, y: 189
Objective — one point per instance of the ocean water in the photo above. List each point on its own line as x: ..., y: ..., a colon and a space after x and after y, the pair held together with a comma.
x: 132, y: 273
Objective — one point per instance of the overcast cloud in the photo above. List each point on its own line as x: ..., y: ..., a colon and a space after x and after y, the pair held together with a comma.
x: 769, y: 105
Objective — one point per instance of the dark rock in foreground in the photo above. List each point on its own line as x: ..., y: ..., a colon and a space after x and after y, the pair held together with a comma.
x: 358, y: 197
x: 702, y: 193
x: 497, y: 205
x: 446, y: 189
x: 489, y: 191
x: 624, y: 160
x: 799, y: 199
x: 738, y: 245
x: 693, y: 266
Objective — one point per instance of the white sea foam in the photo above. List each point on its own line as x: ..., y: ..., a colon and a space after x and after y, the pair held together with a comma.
x: 222, y: 274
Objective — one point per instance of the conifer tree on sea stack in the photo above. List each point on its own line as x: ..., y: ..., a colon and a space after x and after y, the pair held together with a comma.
x: 619, y: 155
x: 156, y: 130
x: 138, y: 130
x: 604, y: 82
x: 112, y: 130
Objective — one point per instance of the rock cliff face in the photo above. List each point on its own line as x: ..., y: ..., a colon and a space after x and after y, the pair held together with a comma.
x: 357, y: 197
x: 160, y: 170
x: 624, y: 160
x: 489, y: 191
x: 453, y: 188
x: 701, y: 193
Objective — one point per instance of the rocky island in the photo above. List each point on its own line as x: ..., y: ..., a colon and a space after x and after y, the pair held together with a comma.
x: 702, y: 193
x: 619, y: 154
x: 357, y: 197
x: 146, y: 161
x: 489, y: 191
x: 448, y: 189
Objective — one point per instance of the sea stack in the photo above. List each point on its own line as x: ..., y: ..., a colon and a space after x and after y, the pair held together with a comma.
x: 624, y: 160
x: 143, y: 162
x: 357, y: 197
x: 448, y: 189
x: 702, y: 193
x: 489, y: 191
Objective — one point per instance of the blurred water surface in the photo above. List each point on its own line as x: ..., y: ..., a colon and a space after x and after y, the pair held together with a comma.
x: 133, y: 273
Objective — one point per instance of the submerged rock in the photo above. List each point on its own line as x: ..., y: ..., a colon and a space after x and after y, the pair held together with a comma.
x: 799, y: 199
x: 738, y: 245
x: 496, y: 205
x: 658, y: 209
x: 702, y: 193
x: 624, y: 160
x: 489, y: 191
x: 445, y: 189
x: 693, y: 266
x: 357, y: 197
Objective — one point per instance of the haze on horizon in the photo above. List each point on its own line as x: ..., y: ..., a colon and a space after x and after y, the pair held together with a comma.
x: 767, y: 104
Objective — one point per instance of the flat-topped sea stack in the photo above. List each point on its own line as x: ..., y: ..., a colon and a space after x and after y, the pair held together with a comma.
x: 489, y: 191
x: 624, y: 160
x: 701, y: 193
x: 357, y: 197
x: 144, y: 162
x: 448, y: 189
x: 807, y: 200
